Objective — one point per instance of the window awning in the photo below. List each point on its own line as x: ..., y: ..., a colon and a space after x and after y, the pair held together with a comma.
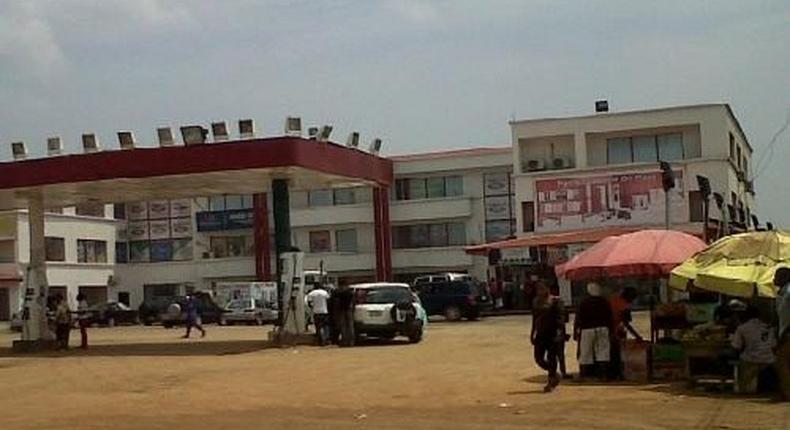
x: 590, y: 235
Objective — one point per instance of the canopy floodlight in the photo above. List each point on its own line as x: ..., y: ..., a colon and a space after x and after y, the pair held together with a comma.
x: 126, y: 139
x: 219, y: 130
x: 165, y: 136
x: 19, y: 150
x: 353, y: 140
x: 325, y: 132
x: 375, y: 146
x: 293, y: 126
x: 54, y: 146
x: 246, y: 129
x: 90, y: 143
x: 194, y: 135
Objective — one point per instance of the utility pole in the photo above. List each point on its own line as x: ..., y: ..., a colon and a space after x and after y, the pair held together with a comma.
x: 668, y: 182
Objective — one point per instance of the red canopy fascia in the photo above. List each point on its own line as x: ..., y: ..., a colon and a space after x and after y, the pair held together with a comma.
x: 591, y: 235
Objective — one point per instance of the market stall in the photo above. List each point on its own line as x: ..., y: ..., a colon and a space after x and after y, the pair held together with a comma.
x: 646, y: 254
x: 739, y: 266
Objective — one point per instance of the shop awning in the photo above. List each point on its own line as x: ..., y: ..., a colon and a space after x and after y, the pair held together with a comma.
x: 9, y: 272
x: 590, y: 235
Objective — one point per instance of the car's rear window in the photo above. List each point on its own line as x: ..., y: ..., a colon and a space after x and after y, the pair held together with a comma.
x: 384, y: 295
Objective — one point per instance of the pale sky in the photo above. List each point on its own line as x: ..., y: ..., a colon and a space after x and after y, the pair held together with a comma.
x: 423, y: 75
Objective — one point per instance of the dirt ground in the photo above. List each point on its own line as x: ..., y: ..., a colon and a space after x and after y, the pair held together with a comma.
x: 468, y: 375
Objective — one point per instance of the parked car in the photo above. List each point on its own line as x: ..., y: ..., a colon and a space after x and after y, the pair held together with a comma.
x: 150, y: 310
x: 462, y: 297
x: 111, y: 314
x: 248, y: 311
x: 208, y: 309
x: 386, y: 310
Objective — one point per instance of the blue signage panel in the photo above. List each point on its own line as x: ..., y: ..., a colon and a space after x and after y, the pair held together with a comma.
x: 225, y: 220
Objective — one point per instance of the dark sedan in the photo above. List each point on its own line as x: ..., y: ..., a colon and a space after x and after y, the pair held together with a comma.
x: 111, y: 314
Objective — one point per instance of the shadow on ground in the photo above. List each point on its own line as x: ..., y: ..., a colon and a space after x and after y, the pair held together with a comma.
x: 185, y: 348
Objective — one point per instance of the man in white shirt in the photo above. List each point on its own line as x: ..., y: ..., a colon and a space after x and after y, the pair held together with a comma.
x: 756, y: 342
x: 317, y: 300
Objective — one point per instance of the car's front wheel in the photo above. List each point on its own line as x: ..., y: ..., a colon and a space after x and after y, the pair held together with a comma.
x: 452, y: 313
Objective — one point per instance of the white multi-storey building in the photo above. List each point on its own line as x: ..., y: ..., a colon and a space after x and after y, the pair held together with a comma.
x: 602, y: 170
x: 80, y: 253
x: 440, y: 203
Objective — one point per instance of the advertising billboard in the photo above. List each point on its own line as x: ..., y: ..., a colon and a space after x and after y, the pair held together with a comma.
x: 607, y: 200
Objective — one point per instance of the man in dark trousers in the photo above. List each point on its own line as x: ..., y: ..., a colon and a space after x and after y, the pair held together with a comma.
x: 342, y: 311
x: 592, y: 328
x: 193, y: 317
x: 547, y: 332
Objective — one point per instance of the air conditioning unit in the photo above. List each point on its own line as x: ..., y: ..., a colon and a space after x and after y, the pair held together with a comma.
x: 533, y: 165
x: 561, y: 163
x: 741, y: 176
x: 112, y: 281
x: 749, y: 186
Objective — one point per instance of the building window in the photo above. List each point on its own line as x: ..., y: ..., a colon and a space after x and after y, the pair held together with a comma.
x: 738, y: 156
x: 696, y: 208
x: 618, y: 150
x: 344, y: 196
x: 346, y: 240
x: 645, y: 149
x: 732, y: 146
x: 91, y: 251
x: 528, y: 216
x: 90, y: 209
x: 54, y: 249
x: 119, y: 211
x: 429, y: 235
x: 430, y: 188
x: 320, y: 241
x: 121, y: 252
x: 229, y: 202
x: 231, y: 246
x: 316, y: 198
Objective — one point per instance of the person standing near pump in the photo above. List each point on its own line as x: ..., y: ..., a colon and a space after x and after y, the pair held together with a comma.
x: 62, y: 322
x: 83, y: 319
x: 547, y: 332
x: 193, y: 317
x: 342, y: 315
x: 317, y: 300
x: 592, y: 328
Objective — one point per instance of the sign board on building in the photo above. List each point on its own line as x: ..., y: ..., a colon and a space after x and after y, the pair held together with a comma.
x: 158, y: 209
x: 137, y: 210
x: 225, y: 220
x: 137, y: 230
x: 606, y: 200
x: 180, y: 208
x: 159, y: 229
x: 516, y: 256
x: 181, y: 227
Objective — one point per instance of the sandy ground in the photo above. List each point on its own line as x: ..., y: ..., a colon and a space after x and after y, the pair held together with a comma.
x: 477, y: 375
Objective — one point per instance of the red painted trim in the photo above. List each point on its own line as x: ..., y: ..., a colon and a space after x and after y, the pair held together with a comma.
x: 262, y: 239
x: 382, y: 234
x: 274, y: 152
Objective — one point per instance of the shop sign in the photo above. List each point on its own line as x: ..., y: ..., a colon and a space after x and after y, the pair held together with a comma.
x: 158, y: 209
x: 180, y: 208
x: 606, y: 200
x: 137, y: 230
x: 225, y: 220
x: 159, y: 229
x: 516, y: 256
x: 181, y: 227
x: 497, y: 184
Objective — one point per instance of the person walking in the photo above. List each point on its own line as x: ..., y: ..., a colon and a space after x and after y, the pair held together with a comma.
x: 193, y: 317
x: 592, y: 328
x: 317, y: 300
x: 547, y: 333
x: 62, y: 323
x: 782, y: 281
x: 83, y: 319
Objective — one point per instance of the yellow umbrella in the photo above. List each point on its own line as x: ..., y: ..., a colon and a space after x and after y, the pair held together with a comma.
x: 738, y: 265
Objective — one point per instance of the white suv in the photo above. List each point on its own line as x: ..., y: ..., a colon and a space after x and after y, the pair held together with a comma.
x: 386, y: 310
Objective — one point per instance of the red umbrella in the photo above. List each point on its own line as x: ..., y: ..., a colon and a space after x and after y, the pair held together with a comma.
x: 652, y: 253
